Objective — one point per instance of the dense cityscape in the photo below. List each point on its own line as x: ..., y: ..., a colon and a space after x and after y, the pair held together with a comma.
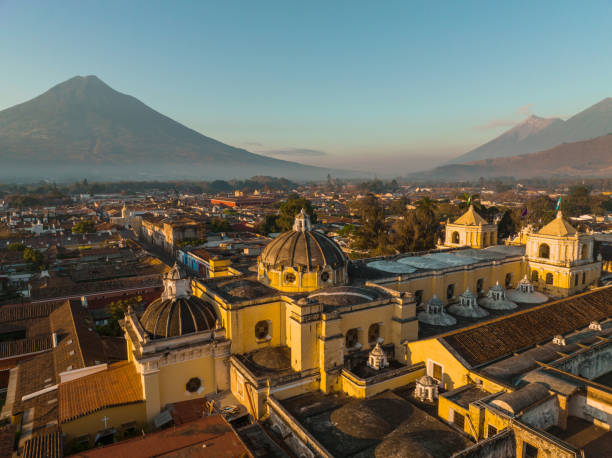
x: 324, y: 229
x: 321, y: 319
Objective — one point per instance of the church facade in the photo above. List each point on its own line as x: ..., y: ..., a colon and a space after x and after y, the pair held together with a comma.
x: 310, y: 320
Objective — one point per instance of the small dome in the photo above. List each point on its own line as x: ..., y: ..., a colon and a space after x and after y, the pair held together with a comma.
x: 468, y: 294
x: 178, y: 316
x: 496, y: 287
x: 378, y: 350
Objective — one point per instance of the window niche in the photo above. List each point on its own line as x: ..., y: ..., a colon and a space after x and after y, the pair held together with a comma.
x: 263, y: 330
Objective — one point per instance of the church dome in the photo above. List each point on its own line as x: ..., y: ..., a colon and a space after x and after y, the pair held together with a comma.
x: 173, y: 317
x: 177, y: 312
x: 302, y: 260
x: 303, y: 247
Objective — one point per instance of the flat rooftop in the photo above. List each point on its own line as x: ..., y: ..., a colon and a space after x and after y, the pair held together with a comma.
x: 386, y: 425
x: 407, y: 264
x: 594, y: 440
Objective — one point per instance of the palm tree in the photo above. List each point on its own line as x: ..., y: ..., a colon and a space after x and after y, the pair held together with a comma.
x: 466, y: 197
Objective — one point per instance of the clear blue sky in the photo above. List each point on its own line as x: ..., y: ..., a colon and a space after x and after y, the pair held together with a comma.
x: 372, y: 85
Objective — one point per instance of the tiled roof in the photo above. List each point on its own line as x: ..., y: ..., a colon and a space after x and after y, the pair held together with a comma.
x: 118, y: 385
x: 24, y: 346
x: 209, y: 437
x: 48, y: 445
x: 26, y: 311
x: 7, y: 439
x: 471, y: 218
x: 558, y: 227
x: 491, y: 340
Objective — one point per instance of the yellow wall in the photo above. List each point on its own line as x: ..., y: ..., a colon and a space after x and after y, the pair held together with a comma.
x: 357, y: 388
x: 431, y: 350
x: 462, y: 279
x: 116, y: 416
x: 174, y: 377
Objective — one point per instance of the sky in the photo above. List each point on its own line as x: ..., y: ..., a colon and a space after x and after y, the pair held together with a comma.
x: 381, y: 86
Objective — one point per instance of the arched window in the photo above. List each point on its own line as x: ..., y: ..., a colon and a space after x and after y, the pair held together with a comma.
x: 352, y: 338
x: 584, y: 252
x: 583, y: 278
x: 455, y: 237
x: 450, y: 291
x: 373, y: 333
x: 576, y: 280
x: 480, y: 286
x: 535, y: 277
x: 549, y: 279
x: 508, y: 281
x: 544, y: 251
x: 485, y: 239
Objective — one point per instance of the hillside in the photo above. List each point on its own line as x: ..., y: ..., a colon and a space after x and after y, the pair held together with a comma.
x: 83, y: 127
x: 589, y: 158
x: 537, y: 134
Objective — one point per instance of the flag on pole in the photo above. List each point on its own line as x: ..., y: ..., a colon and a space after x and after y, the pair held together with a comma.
x: 558, y: 204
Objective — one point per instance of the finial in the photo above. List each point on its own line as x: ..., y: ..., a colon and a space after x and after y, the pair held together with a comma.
x: 302, y: 222
x: 559, y: 214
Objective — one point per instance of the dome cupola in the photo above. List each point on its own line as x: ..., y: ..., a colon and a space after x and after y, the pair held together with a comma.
x: 302, y: 260
x: 177, y: 312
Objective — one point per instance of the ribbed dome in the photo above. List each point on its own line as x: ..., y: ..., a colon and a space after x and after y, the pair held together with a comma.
x: 303, y: 248
x: 178, y: 316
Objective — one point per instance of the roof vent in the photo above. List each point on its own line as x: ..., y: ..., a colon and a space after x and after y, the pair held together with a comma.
x: 559, y: 340
x: 595, y: 326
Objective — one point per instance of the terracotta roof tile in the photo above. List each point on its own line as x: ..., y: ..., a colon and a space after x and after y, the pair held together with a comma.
x: 209, y: 437
x: 471, y: 218
x: 488, y: 341
x: 47, y: 445
x: 24, y: 346
x: 118, y: 385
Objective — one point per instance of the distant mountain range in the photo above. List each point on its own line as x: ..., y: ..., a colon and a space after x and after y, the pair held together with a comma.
x: 588, y: 158
x: 538, y: 134
x: 84, y: 128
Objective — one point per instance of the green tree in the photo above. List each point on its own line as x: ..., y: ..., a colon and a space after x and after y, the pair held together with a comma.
x: 398, y: 206
x: 34, y: 257
x: 220, y: 225
x: 16, y: 246
x: 84, y: 227
x: 291, y: 207
x: 578, y: 201
x: 373, y: 233
x: 507, y: 225
x: 117, y: 310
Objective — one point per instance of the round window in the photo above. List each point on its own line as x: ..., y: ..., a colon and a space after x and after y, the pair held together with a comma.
x: 262, y: 329
x: 289, y: 277
x: 325, y: 276
x: 194, y: 384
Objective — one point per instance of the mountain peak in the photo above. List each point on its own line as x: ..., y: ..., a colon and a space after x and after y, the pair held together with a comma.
x: 83, y: 126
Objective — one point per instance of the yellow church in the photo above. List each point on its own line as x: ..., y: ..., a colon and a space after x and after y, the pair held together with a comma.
x: 309, y: 320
